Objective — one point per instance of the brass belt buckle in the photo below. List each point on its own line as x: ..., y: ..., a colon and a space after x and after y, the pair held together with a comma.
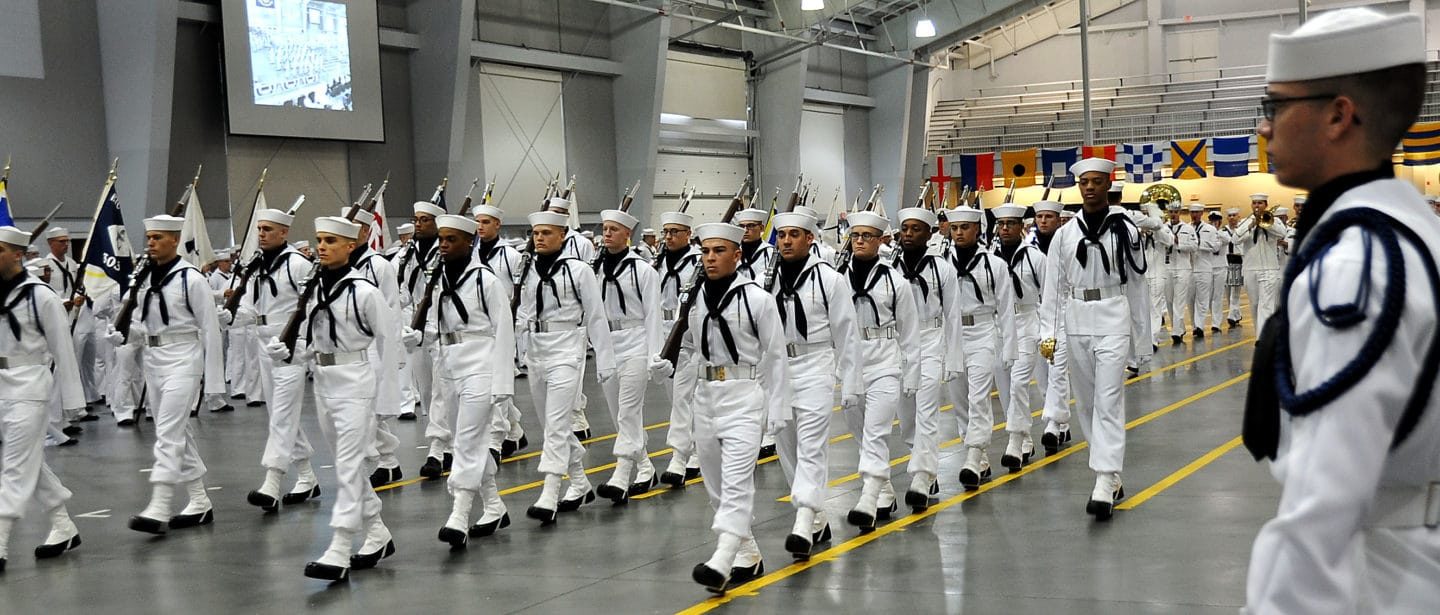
x: 717, y: 372
x: 967, y: 320
x: 1092, y: 294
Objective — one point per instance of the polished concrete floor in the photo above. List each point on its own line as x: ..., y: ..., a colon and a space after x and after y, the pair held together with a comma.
x: 1021, y: 544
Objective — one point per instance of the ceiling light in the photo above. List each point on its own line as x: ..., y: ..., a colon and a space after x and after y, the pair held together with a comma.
x: 812, y: 5
x: 925, y: 28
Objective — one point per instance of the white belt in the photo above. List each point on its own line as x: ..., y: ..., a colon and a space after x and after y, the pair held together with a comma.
x: 877, y: 333
x: 1406, y: 507
x: 667, y: 314
x: 931, y: 323
x: 451, y: 339
x: 721, y: 373
x: 327, y: 359
x: 1026, y: 308
x: 165, y: 340
x: 804, y: 348
x: 976, y: 319
x: 621, y: 324
x: 552, y: 327
x: 23, y: 360
x: 1097, y: 294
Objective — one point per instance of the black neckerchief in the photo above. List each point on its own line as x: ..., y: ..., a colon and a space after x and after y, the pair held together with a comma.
x: 423, y: 246
x: 1042, y: 240
x: 159, y: 271
x: 7, y: 306
x: 748, y: 250
x: 65, y: 277
x: 793, y: 274
x: 269, y: 261
x: 332, y: 285
x: 8, y: 285
x: 672, y: 258
x: 610, y: 267
x: 1009, y: 253
x: 545, y: 268
x: 912, y: 266
x: 158, y: 274
x: 487, y: 247
x: 357, y: 254
x: 859, y: 275
x: 454, y: 275
x: 718, y: 295
x: 860, y: 270
x: 610, y: 260
x: 1323, y: 197
x: 965, y: 261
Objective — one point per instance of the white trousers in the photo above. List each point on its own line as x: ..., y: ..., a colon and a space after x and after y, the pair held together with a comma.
x: 871, y: 423
x: 1159, y: 304
x: 1097, y: 374
x: 681, y: 435
x: 284, y: 392
x: 553, y: 387
x: 1057, y: 391
x: 172, y: 396
x: 803, y: 443
x: 920, y: 414
x: 127, y: 383
x: 1232, y: 294
x: 1263, y: 286
x: 1029, y: 364
x: 250, y: 375
x: 23, y: 471
x: 473, y: 435
x: 727, y: 438
x: 421, y: 367
x: 444, y: 408
x: 349, y: 426
x: 505, y: 423
x: 1203, y: 283
x: 625, y: 397
x: 92, y: 365
x: 1180, y: 284
x: 971, y: 391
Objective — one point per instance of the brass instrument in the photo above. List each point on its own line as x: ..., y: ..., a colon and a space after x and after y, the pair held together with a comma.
x: 1264, y: 219
x: 1160, y: 192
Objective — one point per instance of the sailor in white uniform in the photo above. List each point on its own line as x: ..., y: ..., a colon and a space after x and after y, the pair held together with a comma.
x: 1026, y: 265
x: 739, y: 343
x: 756, y: 257
x: 1357, y: 445
x: 580, y: 246
x: 183, y: 344
x: 1094, y: 281
x: 34, y: 337
x: 888, y: 322
x: 1260, y: 240
x: 87, y: 339
x: 1218, y: 267
x: 560, y: 304
x: 349, y: 342
x: 504, y: 260
x: 237, y: 341
x: 381, y: 274
x: 1207, y: 251
x: 1179, y: 270
x: 1234, y: 266
x: 679, y: 268
x: 412, y: 266
x: 1049, y: 215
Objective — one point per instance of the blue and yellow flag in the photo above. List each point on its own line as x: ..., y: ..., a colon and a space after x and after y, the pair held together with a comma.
x: 1422, y: 144
x: 1187, y: 159
x: 5, y: 218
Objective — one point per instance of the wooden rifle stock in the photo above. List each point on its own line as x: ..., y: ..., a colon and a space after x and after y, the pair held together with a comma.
x: 126, y: 315
x: 422, y: 309
x: 671, y: 350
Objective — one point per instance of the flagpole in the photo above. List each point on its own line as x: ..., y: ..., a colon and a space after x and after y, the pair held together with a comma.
x: 85, y: 253
x: 1088, y: 138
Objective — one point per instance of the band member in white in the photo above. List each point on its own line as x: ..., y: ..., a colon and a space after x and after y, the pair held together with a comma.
x: 935, y: 285
x: 1159, y: 244
x: 1207, y: 251
x: 347, y: 336
x: 1217, y: 260
x: 267, y: 304
x: 739, y: 343
x: 1179, y: 268
x: 182, y: 354
x: 579, y: 246
x: 678, y: 263
x: 1234, y: 269
x: 1094, y: 280
x: 1049, y: 216
x: 504, y: 260
x: 560, y: 304
x: 381, y: 274
x: 34, y: 337
x: 987, y: 315
x: 1259, y: 235
x: 886, y: 317
x: 1356, y: 447
x: 1026, y: 265
x: 470, y: 321
x: 630, y: 289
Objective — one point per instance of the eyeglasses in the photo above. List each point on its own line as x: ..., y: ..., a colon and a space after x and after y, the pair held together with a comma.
x: 866, y: 236
x: 1270, y: 105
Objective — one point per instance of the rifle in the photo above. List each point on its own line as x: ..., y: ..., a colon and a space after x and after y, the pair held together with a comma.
x: 772, y: 272
x: 842, y: 261
x: 184, y: 201
x: 686, y: 195
x: 671, y: 350
x: 126, y: 315
x: 527, y: 258
x: 290, y: 335
x: 45, y: 222
x: 465, y: 205
x: 247, y: 270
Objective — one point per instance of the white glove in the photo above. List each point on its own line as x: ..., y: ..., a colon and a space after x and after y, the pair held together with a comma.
x: 412, y: 338
x: 114, y: 337
x: 226, y: 318
x: 849, y: 401
x: 1147, y: 223
x: 660, y: 368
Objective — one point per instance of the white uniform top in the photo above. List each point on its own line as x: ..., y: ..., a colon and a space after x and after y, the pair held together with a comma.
x: 748, y: 318
x: 1224, y: 249
x: 476, y: 331
x: 884, y: 305
x: 819, y: 297
x: 219, y: 281
x: 1261, y: 246
x: 1341, y: 540
x: 1207, y: 252
x: 1157, y: 245
x: 33, y: 325
x: 631, y: 294
x: 1179, y: 257
x: 182, y: 305
x: 758, y: 263
x: 935, y: 285
x: 577, y: 246
x: 823, y: 251
x: 381, y: 272
x: 674, y: 277
x: 275, y: 290
x: 1123, y: 306
x: 352, y: 316
x: 566, y: 302
x: 411, y: 268
x: 62, y: 274
x: 504, y: 260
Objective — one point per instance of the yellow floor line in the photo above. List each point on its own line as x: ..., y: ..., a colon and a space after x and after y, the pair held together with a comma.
x: 1179, y: 475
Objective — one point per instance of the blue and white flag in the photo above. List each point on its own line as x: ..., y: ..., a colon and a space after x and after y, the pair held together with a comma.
x: 106, y: 264
x: 1143, y: 161
x: 1230, y: 156
x: 1056, y: 165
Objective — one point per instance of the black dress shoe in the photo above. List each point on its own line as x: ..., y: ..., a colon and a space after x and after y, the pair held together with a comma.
x: 194, y: 413
x: 148, y: 525
x: 1050, y: 442
x: 406, y: 416
x: 125, y: 423
x: 179, y: 522
x: 87, y: 417
x: 508, y: 448
x: 456, y: 538
x: 1198, y: 333
x: 1103, y: 511
x: 861, y: 519
x: 238, y: 396
x: 643, y: 486
x: 1214, y: 329
x: 676, y: 481
x: 918, y: 502
x: 254, y: 403
x: 366, y: 561
x: 713, y: 580
x: 970, y: 479
x: 1177, y: 339
x: 486, y: 529
x: 767, y: 451
x: 70, y: 442
x: 385, y: 476
x: 2, y: 564
x: 544, y: 515
x: 741, y: 576
x: 296, y: 497
x: 614, y: 494
x: 798, y: 546
x: 447, y: 461
x: 224, y: 408
x: 822, y: 536
x: 72, y: 430
x: 265, y: 501
x: 495, y: 455
x: 1154, y: 348
x: 432, y: 468
x: 691, y: 474
x: 582, y: 435
x: 327, y: 572
x: 573, y: 504
x: 57, y: 549
x: 884, y: 512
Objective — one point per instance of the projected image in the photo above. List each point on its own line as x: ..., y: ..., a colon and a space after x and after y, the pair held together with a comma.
x: 300, y: 54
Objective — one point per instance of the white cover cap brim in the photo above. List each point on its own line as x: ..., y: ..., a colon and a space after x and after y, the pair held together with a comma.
x: 559, y: 204
x: 919, y: 213
x: 752, y: 215
x: 488, y: 210
x: 170, y: 224
x: 619, y: 217
x: 57, y: 232
x: 361, y: 216
x: 460, y: 223
x: 964, y: 214
x: 405, y: 229
x: 679, y: 218
x: 336, y: 225
x: 720, y: 230
x: 1194, y: 207
x: 1345, y: 42
x: 795, y: 220
x: 548, y: 218
x: 14, y: 236
x: 1050, y: 206
x: 428, y: 208
x: 870, y: 219
x: 274, y: 216
x: 1009, y: 211
x: 1098, y: 165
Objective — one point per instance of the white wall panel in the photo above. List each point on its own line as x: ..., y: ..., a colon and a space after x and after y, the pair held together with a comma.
x: 521, y: 133
x: 822, y: 156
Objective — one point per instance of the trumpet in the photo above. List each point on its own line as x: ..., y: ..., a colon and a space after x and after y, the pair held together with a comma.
x: 1264, y: 219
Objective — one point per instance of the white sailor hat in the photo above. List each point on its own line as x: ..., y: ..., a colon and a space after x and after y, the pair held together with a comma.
x: 918, y: 213
x: 648, y: 232
x: 680, y: 218
x: 1351, y: 41
x: 809, y: 211
x: 336, y: 225
x: 619, y: 217
x: 558, y: 204
x: 57, y: 232
x: 1196, y: 207
x: 1088, y: 165
x: 14, y: 236
x: 1051, y: 206
x: 488, y: 210
x: 274, y: 216
x: 587, y: 234
x: 964, y: 214
x: 460, y: 223
x: 720, y: 230
x: 427, y: 208
x: 362, y: 216
x: 1117, y: 186
x: 1282, y: 211
x: 1259, y: 196
x: 301, y: 244
x: 171, y: 224
x: 1009, y: 211
x: 796, y: 219
x: 1234, y: 211
x: 223, y: 255
x: 751, y: 215
x: 550, y: 218
x: 1067, y: 214
x: 1173, y: 206
x: 405, y: 229
x: 870, y: 219
x: 1299, y: 200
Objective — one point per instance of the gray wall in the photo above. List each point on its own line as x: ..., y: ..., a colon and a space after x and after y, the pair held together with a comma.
x: 589, y: 113
x: 567, y: 26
